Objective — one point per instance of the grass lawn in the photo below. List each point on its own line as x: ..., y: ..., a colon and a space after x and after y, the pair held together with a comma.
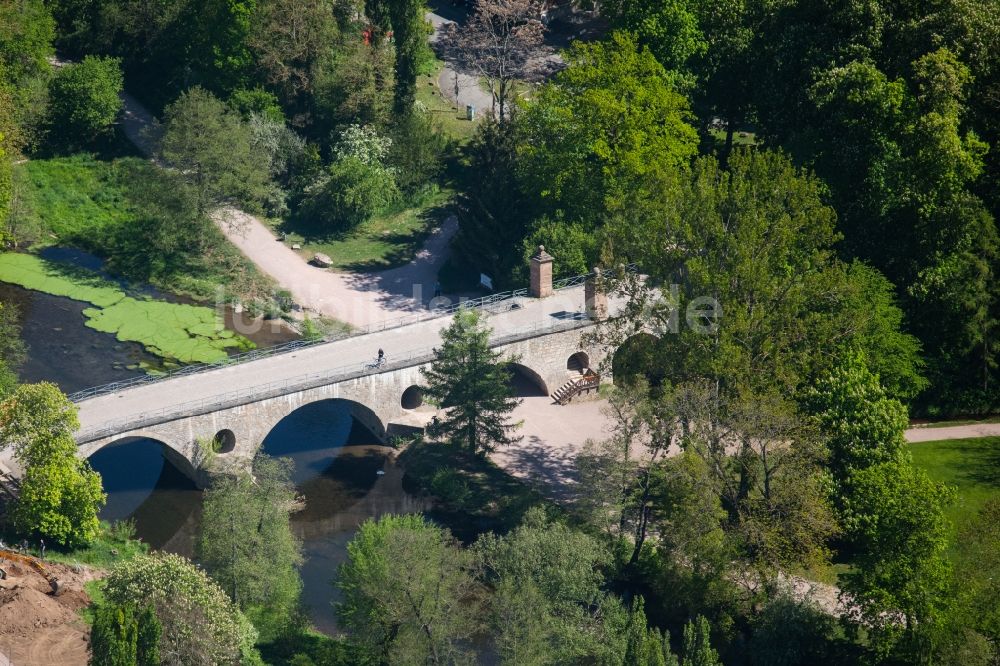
x: 450, y: 117
x: 385, y: 241
x: 972, y: 466
x: 82, y: 201
x: 114, y: 544
x: 739, y: 138
x: 69, y: 197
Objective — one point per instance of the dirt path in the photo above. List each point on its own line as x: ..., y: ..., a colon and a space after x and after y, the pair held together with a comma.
x: 358, y: 299
x: 969, y: 431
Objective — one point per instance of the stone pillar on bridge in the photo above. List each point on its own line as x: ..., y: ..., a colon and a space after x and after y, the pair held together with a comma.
x: 595, y: 297
x: 541, y: 274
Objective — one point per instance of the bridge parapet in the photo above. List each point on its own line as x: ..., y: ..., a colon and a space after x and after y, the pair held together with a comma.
x: 260, y: 392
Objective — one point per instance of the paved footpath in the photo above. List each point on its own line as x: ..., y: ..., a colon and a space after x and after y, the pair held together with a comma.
x: 459, y: 87
x: 358, y: 299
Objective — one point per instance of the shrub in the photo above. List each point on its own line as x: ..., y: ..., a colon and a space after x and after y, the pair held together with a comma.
x: 200, y: 623
x: 352, y: 193
x: 416, y: 152
x: 448, y: 484
x: 84, y: 98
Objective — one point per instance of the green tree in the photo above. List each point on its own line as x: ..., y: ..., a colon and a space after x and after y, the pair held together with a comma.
x: 12, y: 348
x: 698, y: 650
x: 863, y: 426
x: 406, y: 592
x: 247, y: 545
x: 977, y: 576
x: 879, y: 107
x: 213, y: 150
x: 356, y: 86
x: 291, y: 40
x: 900, y: 583
x: 351, y: 193
x: 201, y: 625
x: 646, y: 646
x: 732, y: 238
x: 604, y: 134
x: 113, y: 636
x: 417, y: 151
x: 148, y: 634
x: 60, y: 495
x: 622, y: 474
x: 6, y: 183
x: 548, y: 605
x: 792, y: 631
x: 764, y: 464
x: 493, y: 217
x: 218, y: 34
x: 523, y: 634
x: 26, y: 39
x: 668, y: 27
x: 409, y: 35
x: 84, y: 98
x: 472, y: 383
x: 122, y: 636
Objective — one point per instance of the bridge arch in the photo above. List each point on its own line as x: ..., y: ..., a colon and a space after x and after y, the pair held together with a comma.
x: 412, y: 398
x: 359, y: 412
x: 525, y: 381
x: 171, y: 454
x: 578, y: 362
x: 634, y: 356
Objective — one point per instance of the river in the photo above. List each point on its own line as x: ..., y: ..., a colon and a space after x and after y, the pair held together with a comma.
x: 336, y: 470
x: 61, y: 349
x: 337, y: 462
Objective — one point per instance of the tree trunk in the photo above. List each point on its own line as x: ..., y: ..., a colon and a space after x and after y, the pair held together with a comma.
x: 729, y: 140
x: 640, y: 533
x: 643, y: 523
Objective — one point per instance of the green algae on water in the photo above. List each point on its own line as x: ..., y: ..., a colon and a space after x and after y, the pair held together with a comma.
x: 31, y: 272
x: 184, y: 333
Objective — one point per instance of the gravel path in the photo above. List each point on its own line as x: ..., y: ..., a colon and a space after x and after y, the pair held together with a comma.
x: 357, y: 299
x: 554, y: 435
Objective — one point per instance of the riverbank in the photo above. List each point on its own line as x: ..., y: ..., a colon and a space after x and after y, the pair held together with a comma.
x: 107, y: 205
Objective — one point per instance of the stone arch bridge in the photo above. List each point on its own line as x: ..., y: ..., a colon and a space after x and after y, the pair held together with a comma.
x: 238, y: 405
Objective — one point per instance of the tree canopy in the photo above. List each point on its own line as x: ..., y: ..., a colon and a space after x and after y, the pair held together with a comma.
x: 471, y: 382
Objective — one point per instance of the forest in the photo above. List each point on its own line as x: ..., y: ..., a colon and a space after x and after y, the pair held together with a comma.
x: 827, y: 172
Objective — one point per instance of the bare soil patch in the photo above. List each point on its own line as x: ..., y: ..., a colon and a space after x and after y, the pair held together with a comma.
x: 37, y: 628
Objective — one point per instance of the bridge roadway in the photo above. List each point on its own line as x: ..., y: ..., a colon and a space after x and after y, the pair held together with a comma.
x: 170, y: 398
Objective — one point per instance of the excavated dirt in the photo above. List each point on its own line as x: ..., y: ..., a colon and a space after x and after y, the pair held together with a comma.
x: 36, y: 628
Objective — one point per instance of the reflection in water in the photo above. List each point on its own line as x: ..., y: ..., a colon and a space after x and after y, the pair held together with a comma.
x: 64, y: 351
x: 336, y: 469
x: 142, y: 485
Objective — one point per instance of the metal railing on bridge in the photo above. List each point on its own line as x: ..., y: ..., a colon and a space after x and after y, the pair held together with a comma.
x: 493, y: 304
x: 304, y: 382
